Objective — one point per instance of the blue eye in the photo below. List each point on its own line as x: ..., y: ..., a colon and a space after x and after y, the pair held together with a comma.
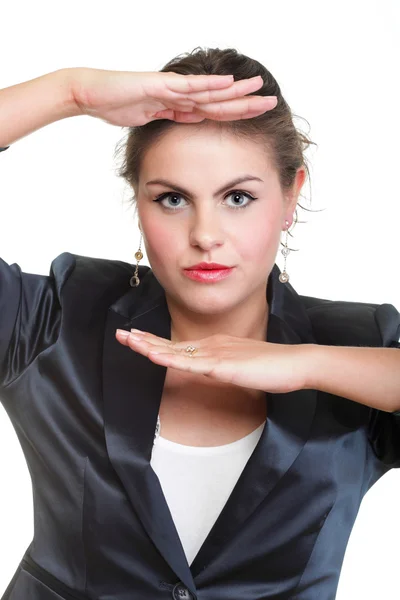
x: 168, y: 195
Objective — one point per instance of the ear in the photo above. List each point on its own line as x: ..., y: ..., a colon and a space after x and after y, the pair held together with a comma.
x: 293, y: 196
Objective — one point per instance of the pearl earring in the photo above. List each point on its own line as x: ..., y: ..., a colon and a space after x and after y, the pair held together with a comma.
x: 284, y: 277
x: 134, y: 280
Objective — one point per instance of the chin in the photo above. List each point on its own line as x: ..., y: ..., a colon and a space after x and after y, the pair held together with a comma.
x: 208, y: 305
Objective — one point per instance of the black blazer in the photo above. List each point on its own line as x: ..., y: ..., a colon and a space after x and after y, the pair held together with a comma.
x: 85, y: 408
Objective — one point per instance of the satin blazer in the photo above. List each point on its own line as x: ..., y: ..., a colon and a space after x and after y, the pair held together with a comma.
x: 84, y: 408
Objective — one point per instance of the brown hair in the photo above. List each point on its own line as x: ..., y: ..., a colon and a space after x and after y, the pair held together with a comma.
x: 274, y: 129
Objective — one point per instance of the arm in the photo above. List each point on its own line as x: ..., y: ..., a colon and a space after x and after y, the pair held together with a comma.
x: 28, y: 106
x: 370, y: 376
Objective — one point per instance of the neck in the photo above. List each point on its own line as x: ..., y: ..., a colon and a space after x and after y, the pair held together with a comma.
x: 249, y: 320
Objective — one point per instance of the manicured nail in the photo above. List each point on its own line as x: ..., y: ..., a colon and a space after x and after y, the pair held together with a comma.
x: 122, y: 332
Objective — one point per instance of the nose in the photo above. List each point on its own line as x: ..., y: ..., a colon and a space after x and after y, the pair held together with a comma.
x: 205, y: 230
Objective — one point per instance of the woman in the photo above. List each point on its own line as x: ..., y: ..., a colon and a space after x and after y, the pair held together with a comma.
x: 223, y: 449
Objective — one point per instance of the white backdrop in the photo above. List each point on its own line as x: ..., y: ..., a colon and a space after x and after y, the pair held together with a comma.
x: 338, y: 66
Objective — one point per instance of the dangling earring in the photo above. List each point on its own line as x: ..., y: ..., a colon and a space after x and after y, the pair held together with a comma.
x: 134, y: 280
x: 284, y: 277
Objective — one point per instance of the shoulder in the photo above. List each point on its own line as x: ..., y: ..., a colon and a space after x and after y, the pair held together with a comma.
x: 91, y: 269
x: 87, y: 278
x: 352, y: 323
x: 77, y: 273
x: 70, y: 260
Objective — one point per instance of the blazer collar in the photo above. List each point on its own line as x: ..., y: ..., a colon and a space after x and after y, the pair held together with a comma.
x: 132, y: 390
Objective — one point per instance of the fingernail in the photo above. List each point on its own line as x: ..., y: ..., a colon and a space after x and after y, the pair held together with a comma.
x: 122, y: 332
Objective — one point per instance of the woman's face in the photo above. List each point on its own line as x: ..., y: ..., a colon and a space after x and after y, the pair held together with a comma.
x: 203, y: 223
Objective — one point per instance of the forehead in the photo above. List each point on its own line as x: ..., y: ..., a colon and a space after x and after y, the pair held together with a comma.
x: 204, y: 146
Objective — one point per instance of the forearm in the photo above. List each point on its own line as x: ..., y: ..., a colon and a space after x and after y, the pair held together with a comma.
x: 370, y: 376
x: 28, y: 106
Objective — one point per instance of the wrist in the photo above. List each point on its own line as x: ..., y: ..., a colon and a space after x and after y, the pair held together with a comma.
x: 68, y: 78
x: 311, y: 366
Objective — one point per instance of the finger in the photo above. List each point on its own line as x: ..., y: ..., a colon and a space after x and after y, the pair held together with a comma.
x: 151, y: 343
x: 176, y: 82
x: 122, y: 336
x: 236, y: 90
x: 125, y: 336
x: 147, y: 336
x: 241, y: 108
x: 147, y: 341
x: 184, y: 117
x: 151, y: 337
x: 179, y: 116
x: 144, y: 347
x: 176, y: 358
x: 150, y: 349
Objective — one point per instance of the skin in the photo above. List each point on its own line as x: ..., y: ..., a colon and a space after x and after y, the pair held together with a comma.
x: 202, y: 159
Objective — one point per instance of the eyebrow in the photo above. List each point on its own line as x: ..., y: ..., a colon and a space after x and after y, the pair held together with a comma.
x: 226, y: 187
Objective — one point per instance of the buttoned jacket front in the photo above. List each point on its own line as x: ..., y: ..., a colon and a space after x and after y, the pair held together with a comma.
x: 85, y: 408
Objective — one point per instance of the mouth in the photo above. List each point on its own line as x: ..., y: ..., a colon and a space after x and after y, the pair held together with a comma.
x: 208, y: 275
x: 203, y: 266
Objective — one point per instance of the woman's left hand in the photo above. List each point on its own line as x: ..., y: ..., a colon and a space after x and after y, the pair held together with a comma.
x: 275, y: 368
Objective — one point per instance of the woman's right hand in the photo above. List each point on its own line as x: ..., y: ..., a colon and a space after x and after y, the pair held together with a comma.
x: 128, y: 98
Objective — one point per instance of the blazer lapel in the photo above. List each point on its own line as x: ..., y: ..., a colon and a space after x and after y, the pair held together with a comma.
x: 132, y: 389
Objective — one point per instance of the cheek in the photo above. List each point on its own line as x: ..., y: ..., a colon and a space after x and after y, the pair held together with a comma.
x: 160, y: 241
x: 258, y: 242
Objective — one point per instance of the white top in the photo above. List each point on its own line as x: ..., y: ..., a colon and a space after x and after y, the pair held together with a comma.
x: 197, y: 481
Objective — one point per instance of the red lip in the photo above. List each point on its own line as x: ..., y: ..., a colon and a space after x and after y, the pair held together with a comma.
x: 206, y: 266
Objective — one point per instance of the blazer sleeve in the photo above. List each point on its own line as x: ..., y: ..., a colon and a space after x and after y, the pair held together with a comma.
x: 30, y: 314
x: 384, y: 427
